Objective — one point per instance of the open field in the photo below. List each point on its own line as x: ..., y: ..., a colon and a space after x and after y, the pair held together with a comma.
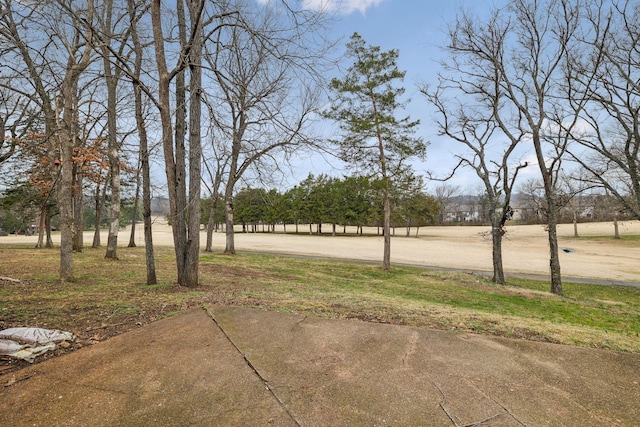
x: 110, y: 297
x: 595, y: 254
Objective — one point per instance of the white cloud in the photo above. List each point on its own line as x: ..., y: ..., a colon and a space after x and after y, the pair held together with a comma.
x: 344, y: 7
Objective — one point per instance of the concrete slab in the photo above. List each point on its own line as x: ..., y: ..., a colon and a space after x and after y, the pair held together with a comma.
x: 180, y: 371
x: 341, y: 372
x: 238, y: 367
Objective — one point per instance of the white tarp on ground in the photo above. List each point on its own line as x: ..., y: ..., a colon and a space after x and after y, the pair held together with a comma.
x: 27, y: 343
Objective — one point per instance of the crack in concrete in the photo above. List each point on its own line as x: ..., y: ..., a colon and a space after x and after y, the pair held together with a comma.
x: 254, y: 369
x: 504, y: 408
x: 455, y: 420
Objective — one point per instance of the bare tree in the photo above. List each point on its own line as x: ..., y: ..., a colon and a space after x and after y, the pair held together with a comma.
x: 265, y: 81
x: 521, y: 53
x: 217, y: 165
x: 39, y: 89
x: 444, y: 194
x: 63, y: 63
x: 494, y: 168
x: 134, y: 17
x: 606, y: 72
x: 113, y: 37
x: 16, y: 119
x: 186, y: 233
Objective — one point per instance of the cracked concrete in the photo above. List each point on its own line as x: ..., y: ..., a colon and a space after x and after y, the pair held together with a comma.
x: 238, y: 366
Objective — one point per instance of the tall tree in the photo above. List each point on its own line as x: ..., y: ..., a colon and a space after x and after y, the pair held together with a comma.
x: 134, y: 17
x: 520, y: 54
x: 365, y: 103
x: 113, y: 38
x: 605, y: 70
x: 195, y: 140
x: 265, y: 77
x: 474, y: 127
x: 185, y: 244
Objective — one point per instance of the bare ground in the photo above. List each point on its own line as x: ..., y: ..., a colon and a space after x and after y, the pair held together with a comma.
x: 595, y: 254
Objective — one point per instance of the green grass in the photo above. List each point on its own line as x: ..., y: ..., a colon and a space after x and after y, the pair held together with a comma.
x: 113, y: 292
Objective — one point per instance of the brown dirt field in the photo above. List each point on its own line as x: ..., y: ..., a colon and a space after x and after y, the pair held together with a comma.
x: 595, y: 253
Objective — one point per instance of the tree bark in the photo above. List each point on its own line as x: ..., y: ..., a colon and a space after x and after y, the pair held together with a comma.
x: 195, y: 147
x: 111, y: 81
x: 497, y: 232
x: 66, y: 140
x: 174, y: 159
x: 99, y: 205
x: 228, y: 206
x: 180, y: 185
x: 231, y: 182
x: 65, y: 196
x: 386, y: 260
x: 47, y: 222
x: 134, y: 215
x: 78, y: 208
x: 211, y: 223
x: 144, y: 150
x: 554, y: 257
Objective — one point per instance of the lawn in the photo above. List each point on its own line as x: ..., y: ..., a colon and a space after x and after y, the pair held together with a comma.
x: 110, y: 297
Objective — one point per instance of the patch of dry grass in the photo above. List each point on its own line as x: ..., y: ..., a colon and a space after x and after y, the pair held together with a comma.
x: 110, y: 297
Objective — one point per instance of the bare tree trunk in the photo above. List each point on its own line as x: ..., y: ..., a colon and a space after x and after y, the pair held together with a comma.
x: 211, y: 222
x: 386, y: 260
x: 195, y: 147
x: 66, y: 139
x: 99, y: 201
x: 575, y: 223
x: 78, y: 237
x: 65, y: 196
x: 228, y: 206
x: 134, y: 215
x: 180, y: 186
x: 111, y: 81
x: 164, y: 106
x: 236, y: 145
x: 47, y: 222
x: 175, y: 159
x: 497, y: 232
x: 616, y: 231
x: 554, y: 258
x: 144, y: 150
x: 42, y: 224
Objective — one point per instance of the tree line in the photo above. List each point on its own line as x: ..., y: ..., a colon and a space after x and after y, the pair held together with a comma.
x: 353, y: 201
x: 218, y: 93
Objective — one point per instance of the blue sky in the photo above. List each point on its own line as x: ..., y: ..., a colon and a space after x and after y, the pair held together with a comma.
x: 417, y: 28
